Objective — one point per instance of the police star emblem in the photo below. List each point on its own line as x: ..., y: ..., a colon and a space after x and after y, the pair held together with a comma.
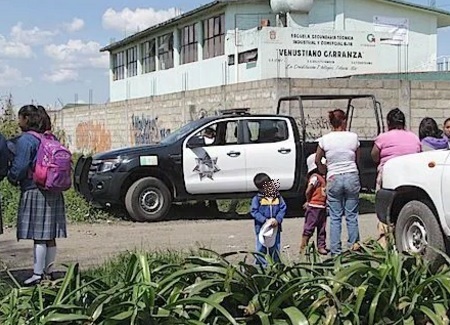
x: 206, y: 167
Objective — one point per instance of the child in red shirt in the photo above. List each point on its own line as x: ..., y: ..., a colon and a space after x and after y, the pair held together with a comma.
x: 315, y: 206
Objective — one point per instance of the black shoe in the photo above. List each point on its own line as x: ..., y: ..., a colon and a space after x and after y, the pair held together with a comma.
x: 50, y: 276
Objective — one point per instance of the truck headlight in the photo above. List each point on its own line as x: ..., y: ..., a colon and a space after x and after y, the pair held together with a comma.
x: 102, y: 166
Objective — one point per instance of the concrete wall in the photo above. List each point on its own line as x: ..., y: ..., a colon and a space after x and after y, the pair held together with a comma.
x: 140, y: 121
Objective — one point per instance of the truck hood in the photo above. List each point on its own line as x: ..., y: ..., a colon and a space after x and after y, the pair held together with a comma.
x: 129, y: 152
x: 422, y: 170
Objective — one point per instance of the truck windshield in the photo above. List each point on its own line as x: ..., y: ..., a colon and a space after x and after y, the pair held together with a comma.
x: 182, y: 132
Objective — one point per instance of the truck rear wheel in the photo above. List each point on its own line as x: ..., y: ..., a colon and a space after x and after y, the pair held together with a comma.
x: 417, y: 229
x: 148, y: 199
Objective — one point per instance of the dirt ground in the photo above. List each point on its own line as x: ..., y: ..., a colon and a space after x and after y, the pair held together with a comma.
x: 90, y: 244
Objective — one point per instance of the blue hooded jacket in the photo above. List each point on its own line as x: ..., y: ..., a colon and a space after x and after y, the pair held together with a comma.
x: 23, y: 150
x: 263, y: 209
x: 3, y: 157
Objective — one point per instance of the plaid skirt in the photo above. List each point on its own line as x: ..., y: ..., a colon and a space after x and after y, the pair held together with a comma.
x: 42, y: 215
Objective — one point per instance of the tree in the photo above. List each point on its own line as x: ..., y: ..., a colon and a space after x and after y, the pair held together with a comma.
x: 8, y: 120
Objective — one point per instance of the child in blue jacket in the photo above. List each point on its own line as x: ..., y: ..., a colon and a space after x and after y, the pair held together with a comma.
x: 267, y: 206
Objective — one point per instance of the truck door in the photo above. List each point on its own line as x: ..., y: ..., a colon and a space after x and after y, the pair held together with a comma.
x: 217, y: 166
x: 365, y: 118
x: 270, y: 148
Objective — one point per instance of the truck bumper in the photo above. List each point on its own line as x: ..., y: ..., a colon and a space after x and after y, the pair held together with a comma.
x: 80, y: 177
x: 97, y: 189
x: 383, y: 205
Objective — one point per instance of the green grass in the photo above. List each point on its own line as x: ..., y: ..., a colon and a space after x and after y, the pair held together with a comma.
x: 372, y: 286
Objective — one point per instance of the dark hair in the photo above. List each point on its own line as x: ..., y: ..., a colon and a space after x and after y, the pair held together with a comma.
x: 447, y: 120
x: 337, y: 117
x: 429, y: 128
x: 260, y: 180
x: 46, y: 123
x: 210, y: 130
x: 34, y: 119
x: 396, y: 119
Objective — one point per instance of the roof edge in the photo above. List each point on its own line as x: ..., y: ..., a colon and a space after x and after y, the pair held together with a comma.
x: 443, y: 18
x: 138, y: 35
x: 443, y: 15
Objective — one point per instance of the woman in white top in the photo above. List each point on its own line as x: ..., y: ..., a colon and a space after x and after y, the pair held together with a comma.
x: 341, y: 150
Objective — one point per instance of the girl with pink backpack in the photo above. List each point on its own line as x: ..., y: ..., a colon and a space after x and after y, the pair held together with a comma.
x: 41, y: 216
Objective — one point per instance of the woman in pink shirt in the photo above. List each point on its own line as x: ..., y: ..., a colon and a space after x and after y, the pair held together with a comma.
x: 395, y: 142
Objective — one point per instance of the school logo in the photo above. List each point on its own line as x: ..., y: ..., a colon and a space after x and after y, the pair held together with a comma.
x: 371, y: 38
x: 273, y: 35
x: 206, y: 167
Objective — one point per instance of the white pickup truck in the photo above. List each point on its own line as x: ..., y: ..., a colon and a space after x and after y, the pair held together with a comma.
x: 415, y: 197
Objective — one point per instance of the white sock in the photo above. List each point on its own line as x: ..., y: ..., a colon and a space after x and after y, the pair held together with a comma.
x: 50, y: 259
x: 39, y: 253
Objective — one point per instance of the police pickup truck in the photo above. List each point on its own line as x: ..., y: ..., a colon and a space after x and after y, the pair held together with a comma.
x: 215, y: 158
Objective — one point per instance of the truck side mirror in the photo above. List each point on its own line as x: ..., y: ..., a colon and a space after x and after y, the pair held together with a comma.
x: 195, y: 142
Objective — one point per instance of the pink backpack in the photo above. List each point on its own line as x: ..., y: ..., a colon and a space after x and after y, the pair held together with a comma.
x: 53, y: 167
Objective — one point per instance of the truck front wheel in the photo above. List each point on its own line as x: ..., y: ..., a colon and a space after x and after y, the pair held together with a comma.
x: 148, y: 199
x: 417, y: 229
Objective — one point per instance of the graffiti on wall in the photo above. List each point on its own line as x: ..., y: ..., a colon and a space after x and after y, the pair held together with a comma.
x: 146, y: 130
x: 92, y: 136
x: 315, y: 126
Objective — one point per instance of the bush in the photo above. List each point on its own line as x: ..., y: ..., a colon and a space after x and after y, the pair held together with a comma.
x: 10, y: 202
x: 77, y: 208
x: 373, y: 286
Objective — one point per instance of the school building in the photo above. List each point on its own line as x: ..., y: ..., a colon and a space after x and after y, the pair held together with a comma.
x: 234, y: 41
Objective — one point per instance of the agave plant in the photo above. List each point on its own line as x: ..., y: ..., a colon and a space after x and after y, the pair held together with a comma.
x: 373, y: 286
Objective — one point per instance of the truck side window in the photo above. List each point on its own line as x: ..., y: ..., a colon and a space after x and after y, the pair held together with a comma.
x: 221, y: 133
x: 267, y: 131
x: 231, y: 136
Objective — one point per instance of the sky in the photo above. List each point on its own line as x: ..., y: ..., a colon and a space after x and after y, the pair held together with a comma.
x: 49, y: 49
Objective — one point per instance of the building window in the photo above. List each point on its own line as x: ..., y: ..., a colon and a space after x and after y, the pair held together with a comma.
x: 244, y: 57
x: 148, y: 56
x: 248, y: 56
x: 132, y: 61
x: 118, y: 65
x: 165, y: 51
x: 189, y: 44
x: 214, y: 40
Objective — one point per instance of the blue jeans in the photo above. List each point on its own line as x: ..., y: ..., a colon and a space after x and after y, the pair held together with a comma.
x: 343, y: 199
x: 273, y: 251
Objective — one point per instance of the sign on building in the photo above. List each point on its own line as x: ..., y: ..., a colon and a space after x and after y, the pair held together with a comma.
x: 395, y: 28
x: 306, y: 53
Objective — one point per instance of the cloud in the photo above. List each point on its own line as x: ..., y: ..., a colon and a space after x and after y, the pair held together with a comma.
x: 10, y: 76
x: 61, y: 75
x: 72, y: 56
x: 139, y: 19
x: 14, y: 49
x: 75, y: 25
x: 77, y: 54
x: 34, y: 36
